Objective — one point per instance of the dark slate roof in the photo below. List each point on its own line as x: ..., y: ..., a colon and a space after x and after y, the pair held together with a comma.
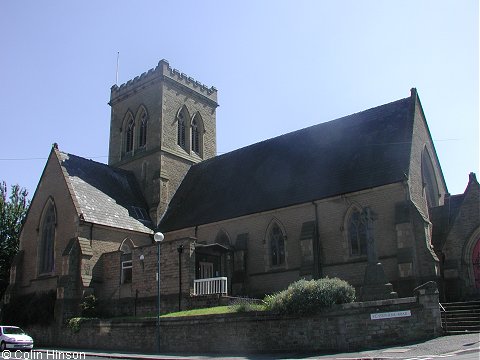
x: 360, y: 151
x: 105, y: 195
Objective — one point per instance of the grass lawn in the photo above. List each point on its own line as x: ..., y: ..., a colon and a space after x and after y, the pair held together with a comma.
x: 215, y: 310
x: 75, y: 322
x: 206, y: 311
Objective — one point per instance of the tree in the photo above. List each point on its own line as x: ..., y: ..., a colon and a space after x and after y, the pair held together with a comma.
x: 12, y: 212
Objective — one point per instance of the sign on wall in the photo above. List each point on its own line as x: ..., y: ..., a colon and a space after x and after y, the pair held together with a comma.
x: 390, y: 315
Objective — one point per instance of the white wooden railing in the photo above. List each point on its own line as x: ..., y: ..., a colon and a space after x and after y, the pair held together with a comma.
x: 210, y: 286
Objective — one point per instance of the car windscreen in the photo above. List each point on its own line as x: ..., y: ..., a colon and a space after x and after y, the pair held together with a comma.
x: 13, y: 331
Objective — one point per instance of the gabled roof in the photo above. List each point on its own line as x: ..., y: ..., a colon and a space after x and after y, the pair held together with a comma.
x: 356, y: 152
x: 105, y: 195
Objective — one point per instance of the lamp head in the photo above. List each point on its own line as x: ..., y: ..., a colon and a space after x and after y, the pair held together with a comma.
x: 158, y: 237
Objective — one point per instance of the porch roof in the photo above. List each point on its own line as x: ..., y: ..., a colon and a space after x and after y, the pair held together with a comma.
x: 214, y: 247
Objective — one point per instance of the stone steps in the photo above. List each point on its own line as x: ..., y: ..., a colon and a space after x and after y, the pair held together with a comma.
x: 461, y: 317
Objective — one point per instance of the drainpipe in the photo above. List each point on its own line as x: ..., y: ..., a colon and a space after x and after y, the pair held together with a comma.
x: 317, y: 266
x: 180, y: 250
x: 91, y: 233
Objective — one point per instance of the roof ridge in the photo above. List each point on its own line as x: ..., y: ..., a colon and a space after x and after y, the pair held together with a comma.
x: 299, y: 131
x: 116, y: 169
x: 76, y: 204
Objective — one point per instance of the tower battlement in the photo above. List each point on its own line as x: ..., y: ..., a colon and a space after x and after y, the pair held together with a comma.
x: 163, y: 71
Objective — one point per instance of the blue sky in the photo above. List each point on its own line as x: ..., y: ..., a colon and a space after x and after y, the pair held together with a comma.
x: 278, y: 66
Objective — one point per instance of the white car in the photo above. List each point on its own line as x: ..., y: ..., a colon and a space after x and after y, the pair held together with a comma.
x: 12, y: 337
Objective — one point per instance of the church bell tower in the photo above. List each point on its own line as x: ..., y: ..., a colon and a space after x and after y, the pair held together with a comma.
x: 162, y: 122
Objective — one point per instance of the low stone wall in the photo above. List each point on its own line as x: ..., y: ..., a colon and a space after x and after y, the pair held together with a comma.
x: 346, y: 327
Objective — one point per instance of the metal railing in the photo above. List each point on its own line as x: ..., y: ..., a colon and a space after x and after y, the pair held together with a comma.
x: 443, y: 314
x: 210, y: 286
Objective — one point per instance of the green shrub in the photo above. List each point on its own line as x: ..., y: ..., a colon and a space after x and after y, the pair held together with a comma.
x: 75, y: 323
x: 309, y: 296
x: 89, y: 306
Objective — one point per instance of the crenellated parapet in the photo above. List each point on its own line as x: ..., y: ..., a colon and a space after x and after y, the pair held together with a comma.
x: 163, y: 72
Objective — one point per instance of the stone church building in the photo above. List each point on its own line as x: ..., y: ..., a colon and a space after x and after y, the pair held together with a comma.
x: 248, y: 222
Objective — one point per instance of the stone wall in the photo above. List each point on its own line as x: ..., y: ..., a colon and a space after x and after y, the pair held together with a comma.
x: 347, y: 327
x: 52, y: 187
x: 336, y: 260
x: 458, y: 249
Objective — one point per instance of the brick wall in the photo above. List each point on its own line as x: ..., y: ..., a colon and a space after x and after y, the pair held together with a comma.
x: 346, y: 327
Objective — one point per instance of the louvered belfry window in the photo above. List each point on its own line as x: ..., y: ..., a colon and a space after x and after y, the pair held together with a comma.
x: 142, y: 141
x: 181, y: 130
x: 129, y: 135
x: 195, y: 136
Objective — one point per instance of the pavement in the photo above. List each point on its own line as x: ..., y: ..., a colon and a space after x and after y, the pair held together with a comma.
x: 445, y: 346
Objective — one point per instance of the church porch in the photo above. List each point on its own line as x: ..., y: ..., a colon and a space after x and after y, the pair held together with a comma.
x: 213, y: 270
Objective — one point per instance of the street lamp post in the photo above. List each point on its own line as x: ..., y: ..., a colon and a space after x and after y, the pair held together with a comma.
x: 158, y: 237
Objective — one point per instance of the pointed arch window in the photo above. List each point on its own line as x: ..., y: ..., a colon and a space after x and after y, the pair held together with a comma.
x: 222, y: 238
x: 277, y: 245
x: 181, y: 137
x: 430, y: 184
x: 357, y: 234
x: 195, y: 136
x: 126, y: 263
x: 47, y: 240
x: 142, y: 141
x: 129, y: 135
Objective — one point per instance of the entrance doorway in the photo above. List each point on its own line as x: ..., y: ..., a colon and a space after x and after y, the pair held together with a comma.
x: 206, y: 270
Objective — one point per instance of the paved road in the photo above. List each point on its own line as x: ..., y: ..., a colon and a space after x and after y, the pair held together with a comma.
x: 458, y: 347
x: 446, y: 346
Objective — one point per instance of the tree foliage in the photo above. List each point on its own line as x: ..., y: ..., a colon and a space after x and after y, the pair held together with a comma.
x: 13, y: 209
x: 30, y: 309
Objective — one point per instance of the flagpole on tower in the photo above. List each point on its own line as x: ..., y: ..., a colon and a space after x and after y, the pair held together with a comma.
x: 116, y: 72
